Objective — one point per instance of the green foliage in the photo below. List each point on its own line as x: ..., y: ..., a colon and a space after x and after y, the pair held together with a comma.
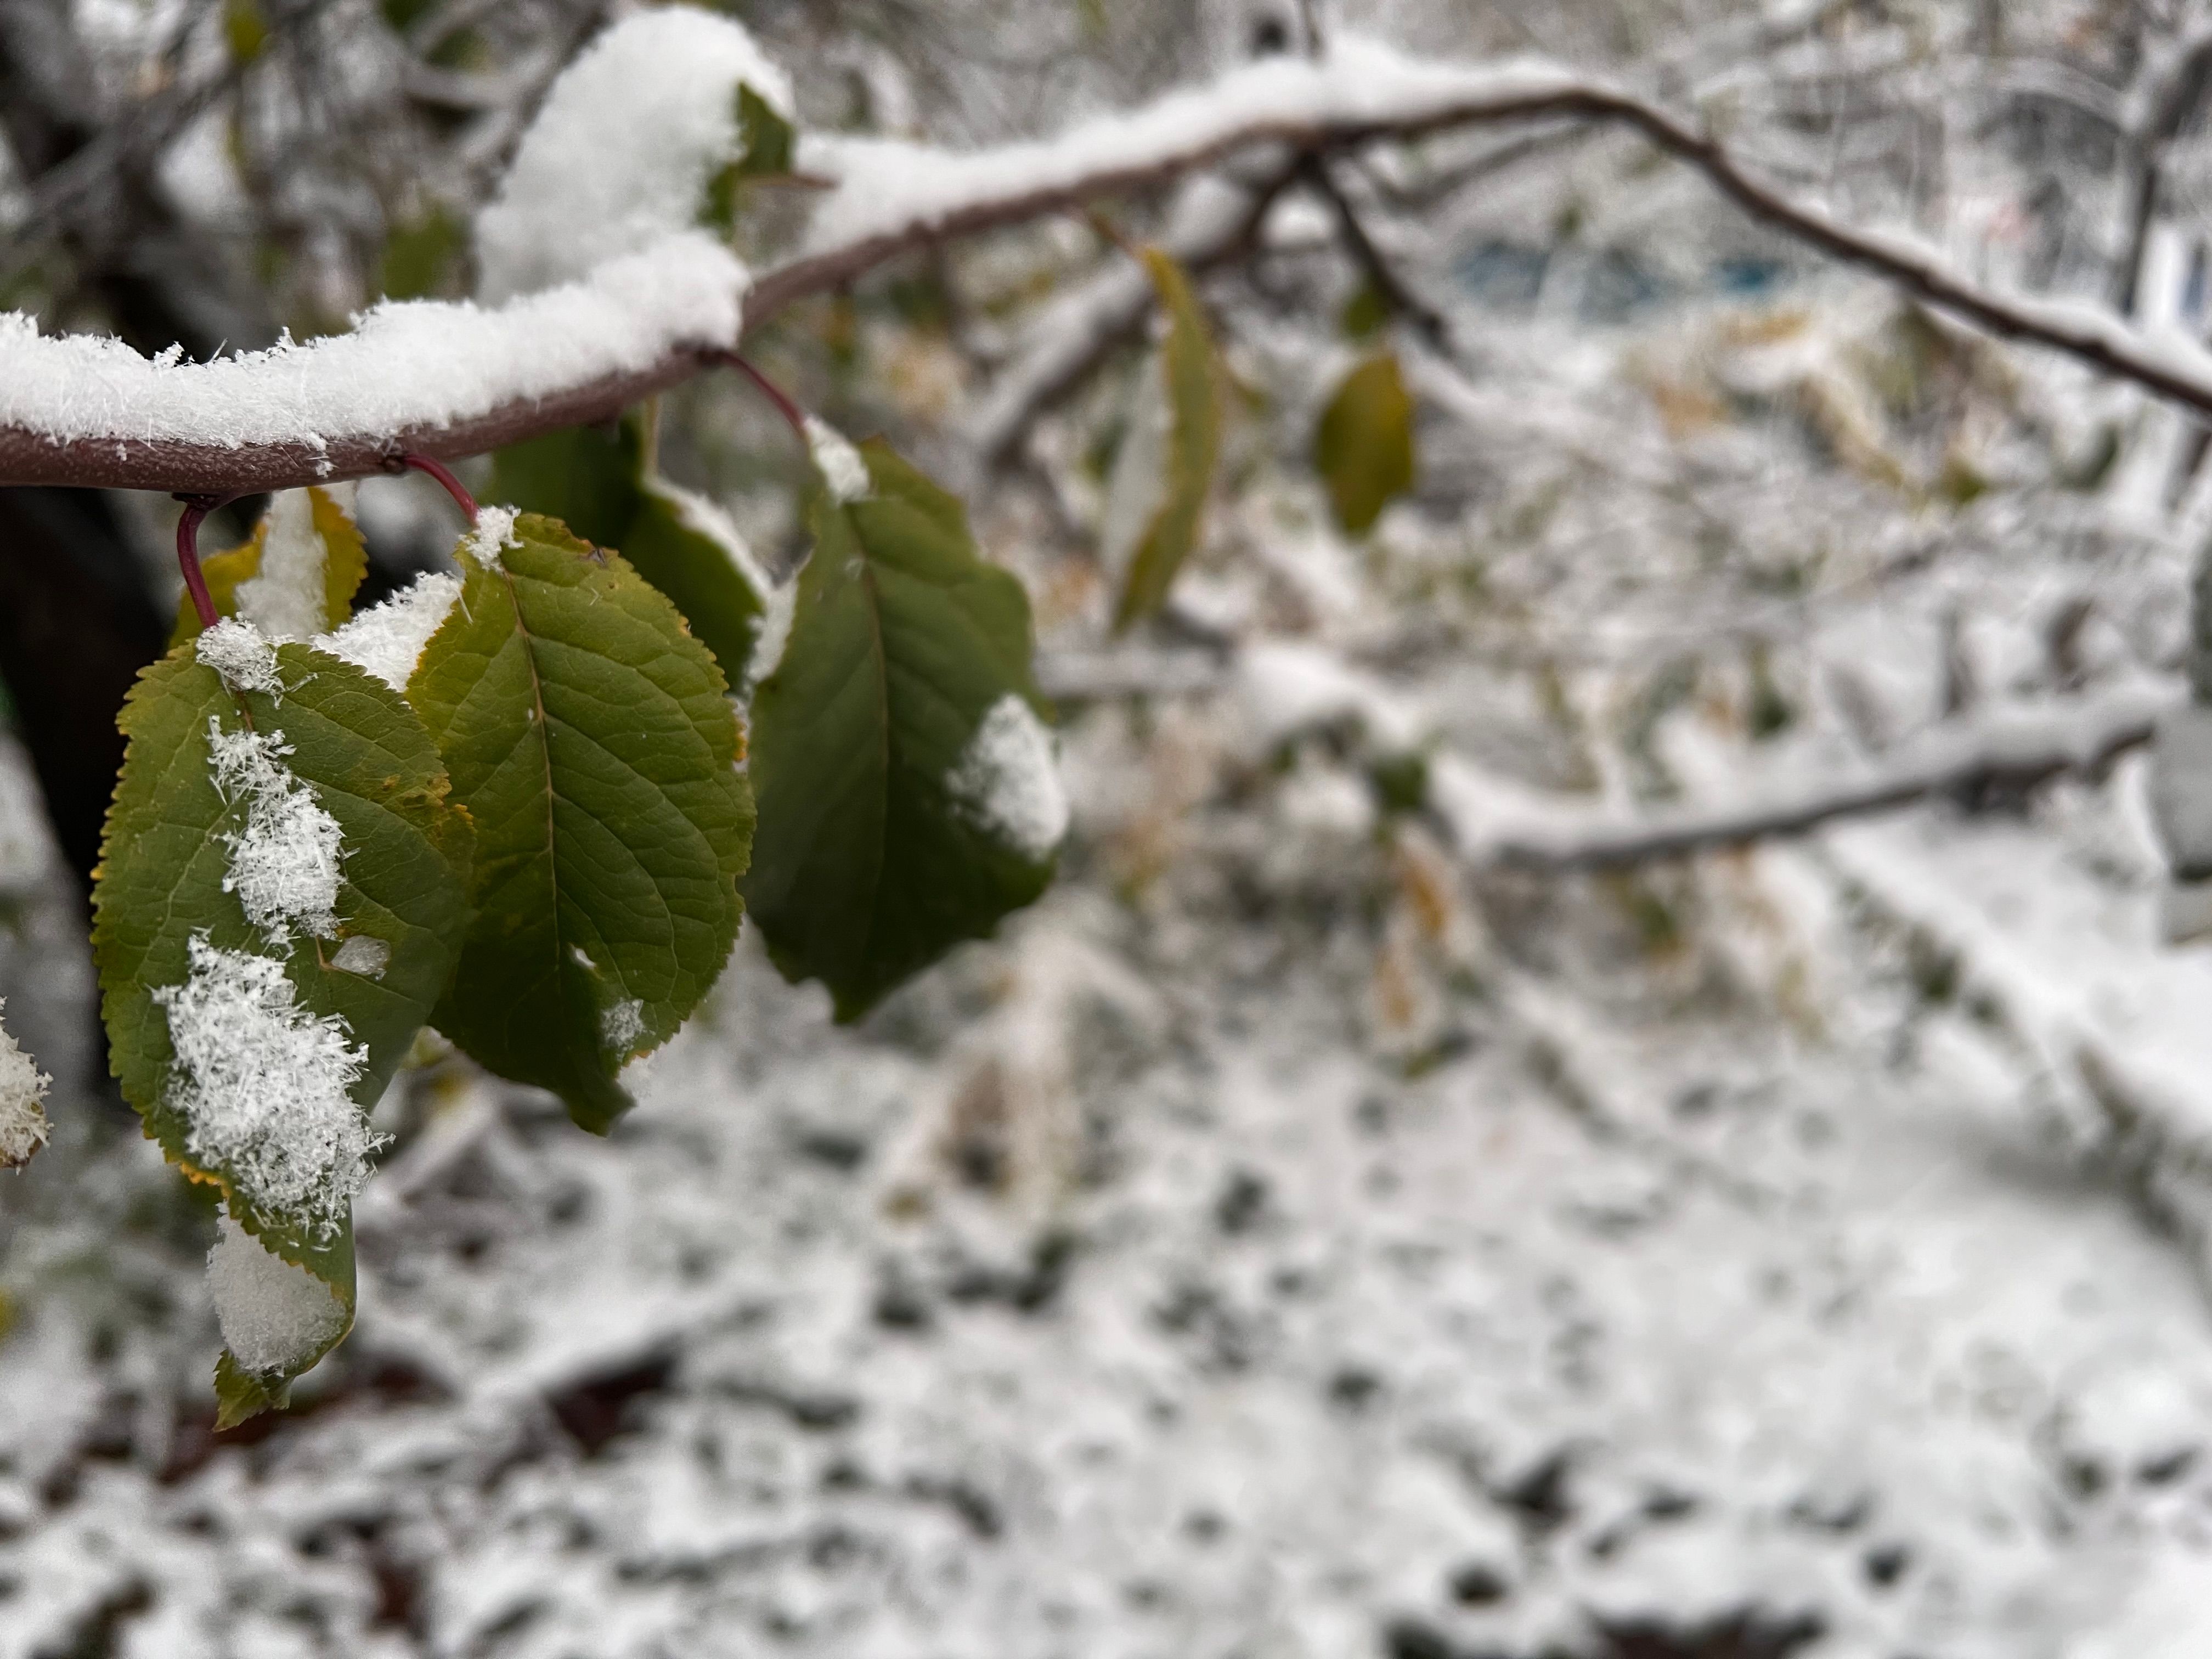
x: 1364, y: 447
x: 420, y: 254
x: 345, y: 563
x: 1191, y: 380
x: 591, y: 738
x: 601, y: 483
x: 765, y: 145
x: 245, y: 31
x: 165, y: 883
x: 868, y: 865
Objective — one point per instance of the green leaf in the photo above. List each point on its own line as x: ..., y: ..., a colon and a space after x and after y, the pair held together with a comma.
x: 1184, y: 453
x: 245, y: 31
x: 212, y: 1011
x: 591, y: 738
x: 1364, y: 447
x: 601, y: 483
x: 766, y: 143
x: 421, y: 254
x: 890, y: 828
x: 324, y: 530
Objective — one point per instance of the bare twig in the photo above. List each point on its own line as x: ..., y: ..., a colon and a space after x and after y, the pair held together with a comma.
x: 1999, y: 756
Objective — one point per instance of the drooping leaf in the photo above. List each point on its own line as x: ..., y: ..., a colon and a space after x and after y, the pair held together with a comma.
x: 1364, y: 446
x: 252, y: 1047
x: 908, y: 791
x: 1165, y: 470
x: 600, y: 483
x: 325, y: 529
x: 591, y: 738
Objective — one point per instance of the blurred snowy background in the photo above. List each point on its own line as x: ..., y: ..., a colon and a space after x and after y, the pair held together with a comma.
x: 1307, y: 1232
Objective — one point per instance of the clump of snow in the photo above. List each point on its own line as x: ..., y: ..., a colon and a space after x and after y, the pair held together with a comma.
x: 276, y: 1316
x: 623, y: 148
x: 837, y: 461
x: 494, y: 530
x: 779, y: 606
x: 234, y: 648
x: 1007, y: 781
x: 22, y: 1118
x: 262, y: 1084
x: 621, y: 1024
x: 284, y: 863
x: 285, y: 599
x: 364, y: 955
x: 387, y: 640
x: 406, y: 365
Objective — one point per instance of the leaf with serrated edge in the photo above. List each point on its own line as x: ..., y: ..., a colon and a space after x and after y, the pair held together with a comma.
x: 345, y: 564
x: 590, y: 737
x: 363, y: 754
x: 867, y: 867
x: 1190, y: 380
x: 603, y: 486
x: 1364, y: 447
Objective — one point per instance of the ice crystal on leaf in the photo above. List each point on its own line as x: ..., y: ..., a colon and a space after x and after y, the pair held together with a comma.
x: 276, y: 1317
x: 22, y: 1119
x: 262, y: 1084
x: 284, y: 863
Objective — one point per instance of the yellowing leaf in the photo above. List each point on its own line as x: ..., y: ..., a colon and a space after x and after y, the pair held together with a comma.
x: 318, y: 545
x: 1165, y: 472
x: 1364, y: 447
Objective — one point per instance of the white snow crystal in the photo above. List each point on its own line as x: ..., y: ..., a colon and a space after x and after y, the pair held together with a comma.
x: 22, y: 1119
x: 621, y: 1024
x: 495, y: 529
x: 234, y: 648
x: 261, y: 1084
x: 1007, y: 781
x: 837, y: 461
x: 284, y: 863
x: 284, y: 598
x: 362, y: 954
x: 623, y: 148
x: 276, y: 1316
x: 779, y: 606
x: 387, y: 640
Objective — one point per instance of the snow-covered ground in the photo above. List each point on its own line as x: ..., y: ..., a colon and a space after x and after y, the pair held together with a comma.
x: 1125, y: 1288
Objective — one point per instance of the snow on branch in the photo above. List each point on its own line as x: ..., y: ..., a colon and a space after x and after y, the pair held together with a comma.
x: 2004, y: 752
x: 454, y: 379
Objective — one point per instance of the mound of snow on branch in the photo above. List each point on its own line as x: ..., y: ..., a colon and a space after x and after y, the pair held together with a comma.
x: 624, y: 149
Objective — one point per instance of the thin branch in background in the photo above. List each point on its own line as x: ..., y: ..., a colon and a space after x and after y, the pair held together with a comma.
x: 1992, y: 757
x: 2172, y: 368
x: 1373, y: 263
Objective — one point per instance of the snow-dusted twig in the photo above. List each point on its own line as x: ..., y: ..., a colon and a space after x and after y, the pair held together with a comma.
x: 2004, y: 752
x: 895, y: 199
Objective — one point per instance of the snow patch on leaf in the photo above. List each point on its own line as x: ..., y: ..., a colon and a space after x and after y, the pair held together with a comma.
x: 623, y: 148
x: 779, y: 605
x: 363, y: 955
x: 1007, y: 781
x: 284, y: 865
x: 276, y: 1317
x: 494, y: 530
x: 235, y: 649
x: 285, y: 599
x: 262, y: 1084
x: 22, y: 1118
x: 387, y: 640
x: 621, y: 1024
x: 839, y: 465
